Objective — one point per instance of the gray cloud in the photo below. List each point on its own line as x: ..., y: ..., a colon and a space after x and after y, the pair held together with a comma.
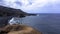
x: 33, y: 5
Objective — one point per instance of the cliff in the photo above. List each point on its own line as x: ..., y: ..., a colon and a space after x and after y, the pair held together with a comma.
x: 7, y: 13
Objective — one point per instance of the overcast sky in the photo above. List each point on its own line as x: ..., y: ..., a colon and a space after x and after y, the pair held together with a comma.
x: 34, y: 6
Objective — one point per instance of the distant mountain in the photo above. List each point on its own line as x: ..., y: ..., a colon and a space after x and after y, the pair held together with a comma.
x: 11, y: 12
x: 6, y: 11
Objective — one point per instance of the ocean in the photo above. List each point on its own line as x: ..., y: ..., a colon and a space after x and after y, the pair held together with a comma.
x: 47, y: 23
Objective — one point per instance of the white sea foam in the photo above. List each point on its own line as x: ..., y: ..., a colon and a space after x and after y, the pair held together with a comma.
x: 15, y: 21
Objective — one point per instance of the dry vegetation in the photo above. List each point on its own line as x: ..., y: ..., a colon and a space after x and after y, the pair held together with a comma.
x: 19, y: 29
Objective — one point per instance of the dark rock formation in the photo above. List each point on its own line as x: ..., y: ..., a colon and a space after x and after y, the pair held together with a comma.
x: 7, y: 13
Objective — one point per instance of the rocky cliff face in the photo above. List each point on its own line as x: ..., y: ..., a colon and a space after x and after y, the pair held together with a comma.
x: 19, y: 29
x: 7, y: 13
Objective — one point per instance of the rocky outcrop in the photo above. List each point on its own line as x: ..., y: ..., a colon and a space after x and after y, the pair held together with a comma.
x: 7, y: 13
x: 19, y: 29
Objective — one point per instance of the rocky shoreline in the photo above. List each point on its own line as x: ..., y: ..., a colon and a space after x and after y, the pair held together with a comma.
x: 7, y: 13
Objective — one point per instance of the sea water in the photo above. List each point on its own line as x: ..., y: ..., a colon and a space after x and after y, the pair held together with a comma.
x: 46, y: 23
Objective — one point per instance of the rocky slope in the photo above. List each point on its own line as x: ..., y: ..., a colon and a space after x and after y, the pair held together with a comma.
x: 19, y: 29
x: 6, y: 13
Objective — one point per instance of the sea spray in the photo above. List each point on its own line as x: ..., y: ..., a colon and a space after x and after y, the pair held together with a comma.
x: 15, y: 20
